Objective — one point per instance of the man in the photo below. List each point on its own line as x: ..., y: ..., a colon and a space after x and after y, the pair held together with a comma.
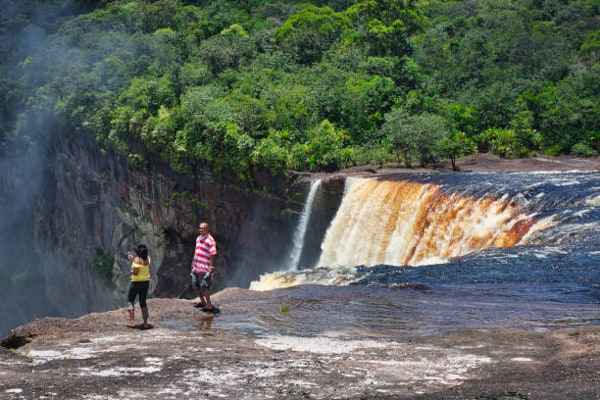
x: 202, y: 267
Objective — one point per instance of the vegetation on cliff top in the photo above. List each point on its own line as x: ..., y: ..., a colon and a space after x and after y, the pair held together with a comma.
x: 315, y: 85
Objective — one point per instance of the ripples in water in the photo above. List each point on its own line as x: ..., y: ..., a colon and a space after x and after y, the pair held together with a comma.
x: 552, y: 282
x: 528, y: 287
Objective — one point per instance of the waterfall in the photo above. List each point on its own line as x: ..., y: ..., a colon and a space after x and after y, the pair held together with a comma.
x: 300, y: 231
x: 407, y: 223
x: 512, y: 219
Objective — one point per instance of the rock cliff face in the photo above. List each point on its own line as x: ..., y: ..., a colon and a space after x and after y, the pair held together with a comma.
x: 92, y: 207
x: 95, y: 207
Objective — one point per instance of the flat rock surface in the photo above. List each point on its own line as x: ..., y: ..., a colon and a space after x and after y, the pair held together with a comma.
x: 97, y: 357
x: 479, y: 163
x: 491, y: 163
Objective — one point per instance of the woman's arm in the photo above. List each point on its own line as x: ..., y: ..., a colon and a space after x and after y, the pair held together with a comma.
x: 134, y: 260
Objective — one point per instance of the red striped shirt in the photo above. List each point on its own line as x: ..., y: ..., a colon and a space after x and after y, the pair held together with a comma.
x: 206, y: 248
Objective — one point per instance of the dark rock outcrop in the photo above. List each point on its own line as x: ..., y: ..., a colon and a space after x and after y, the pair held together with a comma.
x: 88, y: 208
x: 98, y: 206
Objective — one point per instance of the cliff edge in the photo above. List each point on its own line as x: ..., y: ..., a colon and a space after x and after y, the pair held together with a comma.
x: 97, y: 357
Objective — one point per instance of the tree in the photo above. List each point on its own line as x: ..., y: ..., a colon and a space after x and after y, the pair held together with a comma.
x: 401, y: 145
x: 387, y: 25
x: 454, y: 146
x: 230, y: 49
x: 310, y: 32
x: 427, y: 129
x: 324, y: 149
x: 365, y: 100
x: 213, y: 80
x: 415, y: 136
x: 503, y: 142
x: 272, y: 152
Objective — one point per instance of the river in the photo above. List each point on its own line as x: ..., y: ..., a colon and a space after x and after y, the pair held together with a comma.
x: 434, y: 253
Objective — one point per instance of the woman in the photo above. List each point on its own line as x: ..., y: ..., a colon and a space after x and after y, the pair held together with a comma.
x: 140, y: 282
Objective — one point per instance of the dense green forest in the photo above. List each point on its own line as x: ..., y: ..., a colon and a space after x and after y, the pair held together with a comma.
x: 319, y: 85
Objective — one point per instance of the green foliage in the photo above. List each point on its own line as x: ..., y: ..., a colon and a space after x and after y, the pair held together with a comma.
x: 582, y: 149
x: 505, y: 143
x: 271, y: 153
x: 590, y: 48
x: 456, y: 145
x: 230, y: 49
x: 324, y: 149
x: 310, y: 32
x: 387, y: 25
x: 415, y: 137
x: 251, y: 84
x: 102, y: 268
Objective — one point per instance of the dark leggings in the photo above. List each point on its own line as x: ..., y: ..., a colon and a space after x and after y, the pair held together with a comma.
x: 141, y: 289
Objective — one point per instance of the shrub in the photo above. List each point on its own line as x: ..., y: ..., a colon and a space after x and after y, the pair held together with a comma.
x: 582, y: 149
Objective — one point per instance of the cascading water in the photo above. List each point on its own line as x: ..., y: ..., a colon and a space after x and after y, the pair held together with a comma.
x: 300, y: 231
x: 406, y: 223
x: 424, y: 254
x: 434, y: 218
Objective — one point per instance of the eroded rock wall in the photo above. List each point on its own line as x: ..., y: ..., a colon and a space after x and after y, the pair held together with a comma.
x: 94, y: 208
x: 67, y: 239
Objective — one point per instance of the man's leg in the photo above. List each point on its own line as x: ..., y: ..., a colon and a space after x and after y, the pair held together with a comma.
x: 205, y: 286
x: 209, y: 305
x: 200, y: 294
x: 196, y: 284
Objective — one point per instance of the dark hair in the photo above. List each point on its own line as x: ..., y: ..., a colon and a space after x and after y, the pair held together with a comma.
x: 141, y: 250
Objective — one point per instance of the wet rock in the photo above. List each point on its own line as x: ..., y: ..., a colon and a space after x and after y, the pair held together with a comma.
x: 97, y: 356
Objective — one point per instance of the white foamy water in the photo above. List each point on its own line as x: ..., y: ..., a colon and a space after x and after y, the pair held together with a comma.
x: 302, y: 225
x: 406, y: 223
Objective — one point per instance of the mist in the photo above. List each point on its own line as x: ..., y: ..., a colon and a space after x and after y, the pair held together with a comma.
x: 24, y: 141
x: 22, y: 297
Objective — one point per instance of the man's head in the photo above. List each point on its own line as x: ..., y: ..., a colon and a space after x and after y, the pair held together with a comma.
x: 203, y: 228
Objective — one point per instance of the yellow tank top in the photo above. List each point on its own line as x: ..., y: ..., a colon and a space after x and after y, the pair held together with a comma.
x: 143, y: 274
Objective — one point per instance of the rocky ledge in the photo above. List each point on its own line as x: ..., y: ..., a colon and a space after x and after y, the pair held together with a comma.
x: 97, y: 357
